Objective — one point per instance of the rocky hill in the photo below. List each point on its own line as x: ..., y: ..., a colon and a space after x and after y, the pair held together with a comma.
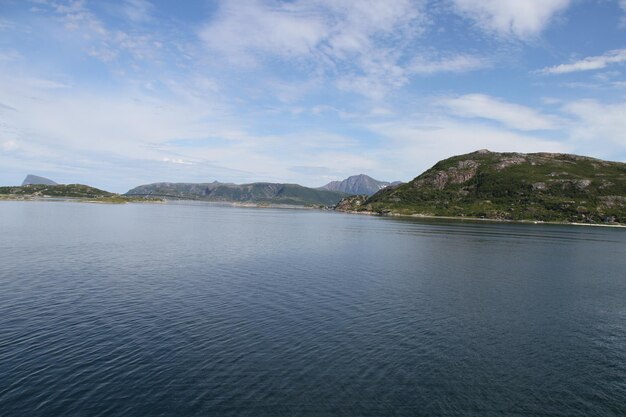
x: 357, y: 184
x: 260, y: 193
x: 511, y: 186
x: 73, y: 192
x: 69, y: 190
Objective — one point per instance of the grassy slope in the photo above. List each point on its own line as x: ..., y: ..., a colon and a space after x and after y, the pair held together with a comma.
x: 547, y: 187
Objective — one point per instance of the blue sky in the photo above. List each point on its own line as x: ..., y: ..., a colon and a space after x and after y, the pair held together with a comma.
x: 120, y: 93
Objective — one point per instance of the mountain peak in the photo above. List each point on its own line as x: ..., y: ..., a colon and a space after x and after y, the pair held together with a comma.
x: 357, y: 184
x: 37, y: 180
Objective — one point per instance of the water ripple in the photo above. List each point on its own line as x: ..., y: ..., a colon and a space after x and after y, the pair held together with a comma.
x: 204, y: 310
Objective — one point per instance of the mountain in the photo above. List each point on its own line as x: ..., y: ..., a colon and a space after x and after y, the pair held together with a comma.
x: 358, y: 184
x: 35, y: 179
x: 259, y: 192
x: 511, y: 186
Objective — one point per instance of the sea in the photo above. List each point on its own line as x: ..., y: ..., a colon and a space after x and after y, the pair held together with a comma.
x: 194, y: 309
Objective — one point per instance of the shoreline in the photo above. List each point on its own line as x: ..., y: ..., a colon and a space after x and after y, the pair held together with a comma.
x: 9, y: 197
x: 478, y: 219
x: 96, y: 200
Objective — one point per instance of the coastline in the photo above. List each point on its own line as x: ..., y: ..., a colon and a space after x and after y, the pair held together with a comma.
x: 95, y: 200
x: 11, y: 197
x: 478, y: 219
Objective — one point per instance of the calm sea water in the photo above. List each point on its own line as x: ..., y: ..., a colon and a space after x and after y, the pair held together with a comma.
x: 201, y: 310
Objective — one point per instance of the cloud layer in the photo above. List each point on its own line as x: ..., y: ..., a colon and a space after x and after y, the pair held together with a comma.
x: 303, y: 91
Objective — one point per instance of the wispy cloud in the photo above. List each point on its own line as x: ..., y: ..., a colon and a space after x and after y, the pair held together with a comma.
x: 523, y: 19
x: 10, y: 56
x: 588, y: 64
x: 6, y: 24
x: 598, y: 126
x: 366, y: 47
x: 511, y: 115
x: 350, y: 42
x: 244, y: 30
x: 137, y: 10
x: 325, y: 29
x: 99, y: 39
x: 455, y: 63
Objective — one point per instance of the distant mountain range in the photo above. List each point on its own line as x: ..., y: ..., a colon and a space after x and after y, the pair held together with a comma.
x: 508, y: 186
x: 259, y: 193
x: 358, y: 184
x: 482, y: 184
x: 35, y: 179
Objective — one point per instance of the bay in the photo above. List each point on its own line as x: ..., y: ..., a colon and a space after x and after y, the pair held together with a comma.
x: 199, y: 309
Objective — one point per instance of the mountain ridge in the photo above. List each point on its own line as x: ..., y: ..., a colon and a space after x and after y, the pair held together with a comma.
x: 258, y: 192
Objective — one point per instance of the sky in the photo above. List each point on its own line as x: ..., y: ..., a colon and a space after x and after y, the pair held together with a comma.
x: 120, y: 93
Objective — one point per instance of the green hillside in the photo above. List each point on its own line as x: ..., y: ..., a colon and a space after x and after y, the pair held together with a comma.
x: 65, y: 190
x: 260, y: 193
x: 74, y: 191
x: 511, y: 186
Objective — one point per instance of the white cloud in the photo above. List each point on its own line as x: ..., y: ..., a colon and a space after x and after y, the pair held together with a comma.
x: 590, y: 63
x: 178, y: 161
x: 98, y: 38
x: 8, y: 145
x: 511, y: 115
x: 523, y: 19
x: 364, y: 46
x: 244, y: 29
x: 415, y: 145
x: 599, y: 128
x: 458, y: 63
x: 330, y: 29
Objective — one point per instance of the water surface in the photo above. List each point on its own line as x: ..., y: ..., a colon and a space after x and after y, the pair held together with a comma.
x: 197, y: 310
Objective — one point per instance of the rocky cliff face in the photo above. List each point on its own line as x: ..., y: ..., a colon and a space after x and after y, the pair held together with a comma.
x: 515, y: 186
x: 351, y: 203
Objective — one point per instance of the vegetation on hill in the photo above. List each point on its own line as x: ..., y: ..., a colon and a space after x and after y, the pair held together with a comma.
x: 260, y: 193
x: 509, y: 186
x: 74, y: 191
x: 69, y: 190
